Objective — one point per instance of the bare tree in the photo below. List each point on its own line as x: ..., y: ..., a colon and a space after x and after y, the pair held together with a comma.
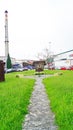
x: 48, y: 57
x: 44, y: 55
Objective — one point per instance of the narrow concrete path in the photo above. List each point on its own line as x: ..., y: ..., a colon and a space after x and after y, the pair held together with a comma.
x: 40, y: 116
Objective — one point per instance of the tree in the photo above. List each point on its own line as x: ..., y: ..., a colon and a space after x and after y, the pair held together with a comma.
x: 9, y: 65
x: 44, y: 55
x: 48, y: 57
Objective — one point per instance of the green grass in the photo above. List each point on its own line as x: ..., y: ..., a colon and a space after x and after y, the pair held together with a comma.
x: 33, y: 72
x: 29, y: 72
x: 60, y: 93
x: 15, y: 94
x: 14, y: 100
x: 45, y: 71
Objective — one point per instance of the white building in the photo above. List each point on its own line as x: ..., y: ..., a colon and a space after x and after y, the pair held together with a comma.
x: 64, y: 59
x: 3, y: 58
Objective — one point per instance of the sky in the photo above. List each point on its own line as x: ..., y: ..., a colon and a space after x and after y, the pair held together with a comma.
x: 34, y: 25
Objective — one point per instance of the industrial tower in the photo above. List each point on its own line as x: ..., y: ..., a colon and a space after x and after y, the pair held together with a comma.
x: 6, y: 35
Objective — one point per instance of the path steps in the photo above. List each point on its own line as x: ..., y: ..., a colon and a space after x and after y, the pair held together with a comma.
x: 40, y: 116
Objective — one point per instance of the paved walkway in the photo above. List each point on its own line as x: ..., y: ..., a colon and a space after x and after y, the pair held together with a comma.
x: 40, y: 116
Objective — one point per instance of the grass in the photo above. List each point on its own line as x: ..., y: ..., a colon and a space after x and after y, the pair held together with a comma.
x: 33, y: 72
x: 15, y: 94
x: 14, y: 99
x: 60, y: 93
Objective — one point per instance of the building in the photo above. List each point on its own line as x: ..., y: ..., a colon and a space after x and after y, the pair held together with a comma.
x: 39, y: 65
x: 3, y: 58
x: 63, y: 59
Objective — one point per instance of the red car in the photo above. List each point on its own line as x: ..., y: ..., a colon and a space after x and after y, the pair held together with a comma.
x: 63, y: 68
x: 71, y: 68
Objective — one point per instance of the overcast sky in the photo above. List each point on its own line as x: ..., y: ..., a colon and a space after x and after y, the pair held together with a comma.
x: 32, y: 24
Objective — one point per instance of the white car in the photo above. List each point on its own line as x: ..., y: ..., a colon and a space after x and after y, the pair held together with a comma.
x: 8, y: 70
x: 20, y: 69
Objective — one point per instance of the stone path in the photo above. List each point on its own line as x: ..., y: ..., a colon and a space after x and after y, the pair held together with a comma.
x: 40, y: 116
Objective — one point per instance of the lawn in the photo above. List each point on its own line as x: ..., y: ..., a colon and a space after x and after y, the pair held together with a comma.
x: 15, y: 94
x: 60, y: 93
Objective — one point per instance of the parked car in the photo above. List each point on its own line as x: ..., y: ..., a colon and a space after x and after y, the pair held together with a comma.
x: 8, y: 70
x: 63, y: 68
x: 20, y: 69
x: 25, y: 68
x: 70, y: 68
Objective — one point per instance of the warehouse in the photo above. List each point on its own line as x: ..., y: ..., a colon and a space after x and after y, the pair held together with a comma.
x: 64, y: 59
